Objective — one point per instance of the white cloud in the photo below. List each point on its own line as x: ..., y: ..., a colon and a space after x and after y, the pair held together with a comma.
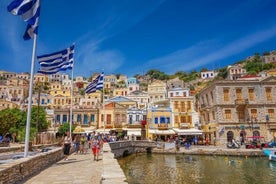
x: 205, y: 52
x: 97, y: 61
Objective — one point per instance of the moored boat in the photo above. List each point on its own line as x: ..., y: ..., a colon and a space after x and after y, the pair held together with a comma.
x: 271, y: 153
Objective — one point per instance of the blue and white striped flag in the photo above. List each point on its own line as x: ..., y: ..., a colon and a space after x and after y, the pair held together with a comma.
x: 29, y: 10
x: 58, y: 61
x: 96, y: 84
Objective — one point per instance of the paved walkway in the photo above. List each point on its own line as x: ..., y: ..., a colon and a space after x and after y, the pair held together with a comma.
x: 78, y: 169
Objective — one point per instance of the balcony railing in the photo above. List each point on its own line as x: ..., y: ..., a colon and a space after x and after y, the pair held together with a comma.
x: 163, y: 127
x: 243, y: 101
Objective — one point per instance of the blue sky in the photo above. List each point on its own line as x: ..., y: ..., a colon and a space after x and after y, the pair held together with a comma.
x: 133, y: 36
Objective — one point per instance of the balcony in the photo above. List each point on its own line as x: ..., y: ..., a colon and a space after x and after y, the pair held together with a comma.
x: 163, y: 127
x: 134, y: 126
x: 241, y: 102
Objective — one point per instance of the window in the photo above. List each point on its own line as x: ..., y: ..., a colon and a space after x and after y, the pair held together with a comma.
x: 251, y: 94
x: 238, y: 94
x: 156, y: 120
x: 92, y: 118
x: 270, y: 113
x: 79, y: 118
x: 182, y: 106
x: 162, y: 119
x: 182, y: 119
x: 240, y: 114
x: 268, y: 94
x: 85, y: 119
x: 227, y: 114
x: 253, y: 113
x: 58, y: 118
x: 189, y: 105
x: 226, y: 95
x: 108, y: 118
x: 64, y: 118
x: 130, y: 119
x: 176, y: 120
x: 175, y: 105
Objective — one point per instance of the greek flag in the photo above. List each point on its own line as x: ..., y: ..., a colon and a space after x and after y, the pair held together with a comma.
x: 96, y: 84
x: 55, y: 62
x: 29, y: 10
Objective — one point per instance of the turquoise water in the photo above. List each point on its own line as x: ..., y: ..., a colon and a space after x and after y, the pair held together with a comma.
x: 178, y: 169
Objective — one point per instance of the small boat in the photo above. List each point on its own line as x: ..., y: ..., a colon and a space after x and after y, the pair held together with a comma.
x: 271, y: 153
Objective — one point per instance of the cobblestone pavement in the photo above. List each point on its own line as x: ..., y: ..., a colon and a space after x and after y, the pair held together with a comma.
x: 78, y: 169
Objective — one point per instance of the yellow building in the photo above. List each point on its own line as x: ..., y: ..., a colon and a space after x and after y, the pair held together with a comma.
x: 159, y: 124
x: 157, y: 91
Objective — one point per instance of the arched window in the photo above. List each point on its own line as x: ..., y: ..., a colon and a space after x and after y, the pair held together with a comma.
x: 256, y: 133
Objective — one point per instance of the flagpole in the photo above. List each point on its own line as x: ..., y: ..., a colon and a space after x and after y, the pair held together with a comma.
x: 71, y: 106
x: 27, y: 135
x: 103, y: 108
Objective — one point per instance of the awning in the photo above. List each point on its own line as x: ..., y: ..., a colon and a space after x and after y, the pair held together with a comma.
x: 136, y: 132
x: 103, y: 131
x: 191, y: 131
x: 162, y: 132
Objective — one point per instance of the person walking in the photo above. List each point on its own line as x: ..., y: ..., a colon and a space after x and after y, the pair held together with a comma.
x: 67, y: 145
x: 95, y: 147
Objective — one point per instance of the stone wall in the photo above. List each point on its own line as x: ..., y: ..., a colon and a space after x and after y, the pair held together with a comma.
x: 19, y: 170
x: 112, y: 172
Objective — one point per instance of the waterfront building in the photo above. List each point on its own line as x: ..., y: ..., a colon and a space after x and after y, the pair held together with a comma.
x: 240, y: 108
x: 87, y: 118
x: 159, y: 124
x: 183, y: 116
x: 157, y: 91
x: 112, y: 117
x: 140, y: 97
x: 135, y: 116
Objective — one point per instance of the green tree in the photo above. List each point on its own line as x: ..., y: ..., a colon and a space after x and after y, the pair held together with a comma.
x: 64, y: 128
x: 9, y: 118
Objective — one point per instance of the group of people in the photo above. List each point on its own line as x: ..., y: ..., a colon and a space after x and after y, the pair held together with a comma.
x: 82, y: 143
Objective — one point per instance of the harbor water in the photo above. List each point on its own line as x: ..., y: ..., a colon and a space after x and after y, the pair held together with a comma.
x: 191, y: 169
